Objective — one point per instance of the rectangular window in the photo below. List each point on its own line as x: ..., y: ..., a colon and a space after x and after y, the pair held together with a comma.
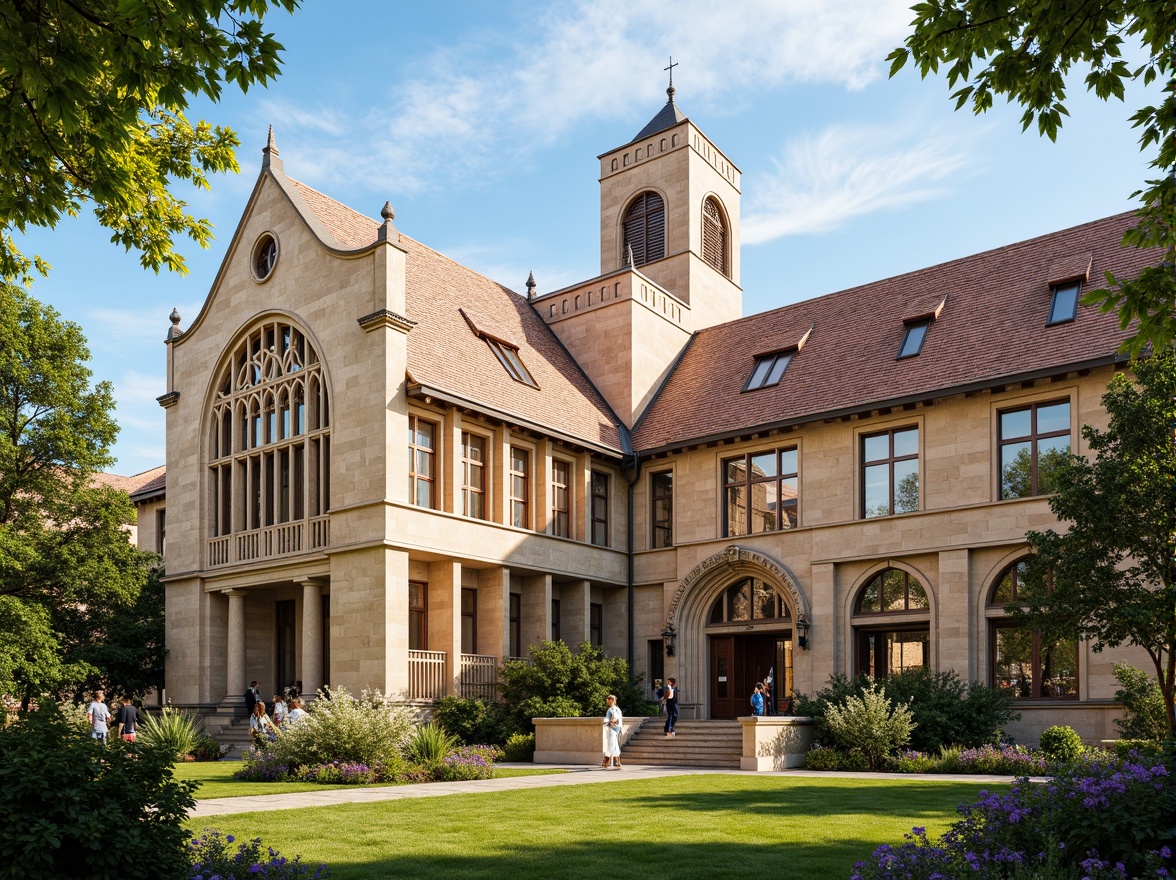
x: 599, y: 509
x: 890, y: 472
x: 520, y: 488
x: 1063, y: 303
x: 883, y: 653
x: 1034, y: 442
x: 661, y: 491
x: 418, y: 616
x: 422, y: 462
x: 560, y: 498
x: 760, y: 491
x: 657, y: 661
x: 473, y: 475
x: 912, y: 340
x: 516, y: 625
x: 555, y: 620
x: 160, y: 531
x: 469, y: 620
x: 596, y: 624
x: 769, y: 369
x: 1033, y: 667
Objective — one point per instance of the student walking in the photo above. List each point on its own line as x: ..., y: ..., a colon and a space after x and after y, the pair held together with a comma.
x: 612, y: 732
x: 671, y: 697
x: 98, y: 714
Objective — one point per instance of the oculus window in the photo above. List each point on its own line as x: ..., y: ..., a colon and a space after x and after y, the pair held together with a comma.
x: 265, y: 257
x: 1063, y: 303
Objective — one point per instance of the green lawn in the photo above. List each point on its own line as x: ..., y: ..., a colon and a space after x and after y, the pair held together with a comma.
x: 676, y: 828
x: 216, y: 780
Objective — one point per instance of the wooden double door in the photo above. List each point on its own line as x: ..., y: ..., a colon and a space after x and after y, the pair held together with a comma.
x: 737, y: 662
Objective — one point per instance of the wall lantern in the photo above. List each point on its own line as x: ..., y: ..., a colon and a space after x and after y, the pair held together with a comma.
x: 669, y: 634
x: 802, y: 628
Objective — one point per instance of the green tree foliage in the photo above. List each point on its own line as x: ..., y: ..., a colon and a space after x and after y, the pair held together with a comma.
x: 1026, y: 52
x: 92, y: 101
x: 557, y: 683
x: 67, y: 566
x: 74, y: 808
x: 1111, y: 576
x: 1144, y: 703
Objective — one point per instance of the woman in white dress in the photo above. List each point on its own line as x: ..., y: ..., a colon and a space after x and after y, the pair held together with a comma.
x: 612, y: 730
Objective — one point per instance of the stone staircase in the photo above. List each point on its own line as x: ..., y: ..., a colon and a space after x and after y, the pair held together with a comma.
x: 697, y: 744
x: 229, y: 729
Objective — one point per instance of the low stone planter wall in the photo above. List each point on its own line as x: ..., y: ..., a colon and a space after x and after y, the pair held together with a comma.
x: 576, y: 740
x: 775, y: 742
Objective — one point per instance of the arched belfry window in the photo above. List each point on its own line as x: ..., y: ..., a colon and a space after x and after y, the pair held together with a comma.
x: 645, y: 229
x: 714, y: 235
x: 891, y: 624
x: 269, y: 449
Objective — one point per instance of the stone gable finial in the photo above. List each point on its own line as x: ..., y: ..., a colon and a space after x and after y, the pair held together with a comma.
x: 269, y: 155
x: 174, y: 332
x: 387, y: 213
x: 531, y: 286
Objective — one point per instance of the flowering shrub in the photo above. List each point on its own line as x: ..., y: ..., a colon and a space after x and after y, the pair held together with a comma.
x: 464, y: 763
x: 262, y: 765
x: 870, y: 724
x: 367, y: 729
x: 341, y: 773
x: 1002, y: 760
x: 908, y: 761
x: 213, y: 860
x: 1104, y: 819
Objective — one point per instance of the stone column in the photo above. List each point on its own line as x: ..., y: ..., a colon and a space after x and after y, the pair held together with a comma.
x: 312, y: 635
x: 235, y: 678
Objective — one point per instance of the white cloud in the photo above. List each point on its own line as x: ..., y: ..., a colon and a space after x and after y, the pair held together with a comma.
x: 593, y: 60
x: 823, y: 180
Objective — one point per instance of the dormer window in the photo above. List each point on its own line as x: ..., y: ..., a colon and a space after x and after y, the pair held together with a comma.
x: 917, y: 323
x: 912, y: 340
x: 508, y: 356
x: 769, y: 369
x: 1063, y: 306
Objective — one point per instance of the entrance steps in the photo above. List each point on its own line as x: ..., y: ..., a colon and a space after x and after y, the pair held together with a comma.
x: 697, y: 744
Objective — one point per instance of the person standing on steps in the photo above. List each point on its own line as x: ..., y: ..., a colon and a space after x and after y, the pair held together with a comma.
x: 252, y: 695
x: 671, y: 698
x: 612, y: 732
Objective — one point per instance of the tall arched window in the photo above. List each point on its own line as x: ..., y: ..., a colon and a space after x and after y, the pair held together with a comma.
x: 269, y: 453
x: 645, y: 229
x: 714, y: 235
x: 1033, y: 666
x: 891, y: 624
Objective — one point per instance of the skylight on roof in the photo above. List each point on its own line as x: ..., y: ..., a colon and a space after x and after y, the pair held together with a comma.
x: 508, y: 356
x: 769, y: 369
x: 912, y: 340
x: 1063, y: 304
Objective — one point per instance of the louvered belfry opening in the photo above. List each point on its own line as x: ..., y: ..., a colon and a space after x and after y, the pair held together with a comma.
x: 714, y: 236
x: 645, y: 228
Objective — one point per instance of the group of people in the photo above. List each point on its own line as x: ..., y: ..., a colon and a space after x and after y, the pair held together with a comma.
x: 125, y: 721
x: 263, y: 726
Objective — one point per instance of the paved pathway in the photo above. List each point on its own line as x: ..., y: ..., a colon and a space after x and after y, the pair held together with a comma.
x: 576, y: 775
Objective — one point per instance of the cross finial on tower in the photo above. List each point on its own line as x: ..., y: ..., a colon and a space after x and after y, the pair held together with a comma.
x: 670, y: 90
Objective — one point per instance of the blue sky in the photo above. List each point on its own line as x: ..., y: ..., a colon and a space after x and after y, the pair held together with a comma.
x: 481, y: 123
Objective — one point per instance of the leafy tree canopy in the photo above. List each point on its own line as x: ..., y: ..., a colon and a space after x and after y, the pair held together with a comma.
x: 1111, y: 576
x: 1026, y: 52
x: 92, y: 100
x: 68, y: 571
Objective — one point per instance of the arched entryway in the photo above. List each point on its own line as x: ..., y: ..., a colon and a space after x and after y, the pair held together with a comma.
x: 735, y: 618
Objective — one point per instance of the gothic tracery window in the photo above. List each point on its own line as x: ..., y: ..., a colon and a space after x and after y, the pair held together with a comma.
x: 269, y: 449
x: 645, y: 229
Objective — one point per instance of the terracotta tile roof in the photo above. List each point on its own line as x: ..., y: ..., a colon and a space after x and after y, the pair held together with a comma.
x: 993, y: 325
x: 152, y: 488
x: 445, y: 352
x: 130, y: 485
x: 351, y: 228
